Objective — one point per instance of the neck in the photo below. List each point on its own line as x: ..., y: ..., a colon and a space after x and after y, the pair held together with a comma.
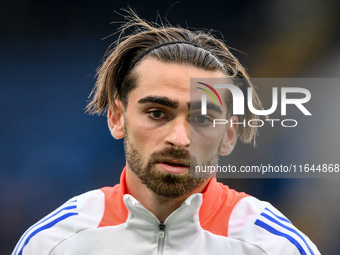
x: 160, y: 206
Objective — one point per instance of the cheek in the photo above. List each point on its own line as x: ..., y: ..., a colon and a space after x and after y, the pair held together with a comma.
x: 141, y: 133
x: 204, y: 144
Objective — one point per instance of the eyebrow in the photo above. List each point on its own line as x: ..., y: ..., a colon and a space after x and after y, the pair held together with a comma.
x: 173, y: 104
x: 195, y: 105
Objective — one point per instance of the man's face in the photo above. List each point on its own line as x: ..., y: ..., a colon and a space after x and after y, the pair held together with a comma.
x: 157, y: 128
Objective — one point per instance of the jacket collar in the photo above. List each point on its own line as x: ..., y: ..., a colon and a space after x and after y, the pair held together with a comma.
x: 211, y: 196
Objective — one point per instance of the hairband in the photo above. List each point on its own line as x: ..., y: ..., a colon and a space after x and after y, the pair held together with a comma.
x: 164, y: 44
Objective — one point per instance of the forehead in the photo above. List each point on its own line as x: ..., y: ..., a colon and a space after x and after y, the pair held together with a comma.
x: 169, y: 79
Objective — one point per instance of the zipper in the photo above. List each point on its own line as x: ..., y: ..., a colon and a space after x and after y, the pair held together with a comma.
x: 161, y: 236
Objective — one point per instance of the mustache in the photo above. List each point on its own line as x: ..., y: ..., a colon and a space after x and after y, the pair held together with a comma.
x: 170, y: 153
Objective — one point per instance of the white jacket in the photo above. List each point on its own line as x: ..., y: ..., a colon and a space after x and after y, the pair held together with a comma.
x: 100, y: 223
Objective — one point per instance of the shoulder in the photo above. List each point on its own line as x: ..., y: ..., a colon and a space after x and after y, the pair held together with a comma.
x: 78, y: 213
x: 262, y: 225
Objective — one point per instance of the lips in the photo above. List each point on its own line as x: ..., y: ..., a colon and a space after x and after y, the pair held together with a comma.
x: 176, y: 163
x: 173, y: 166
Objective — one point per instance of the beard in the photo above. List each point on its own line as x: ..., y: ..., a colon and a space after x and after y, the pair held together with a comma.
x: 165, y: 184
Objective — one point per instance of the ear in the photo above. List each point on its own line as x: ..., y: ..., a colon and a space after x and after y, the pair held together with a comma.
x: 115, y: 120
x: 230, y: 137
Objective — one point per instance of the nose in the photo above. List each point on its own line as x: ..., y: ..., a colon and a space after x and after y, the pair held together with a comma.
x: 179, y: 134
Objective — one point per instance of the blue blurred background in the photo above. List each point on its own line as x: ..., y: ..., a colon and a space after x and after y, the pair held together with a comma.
x: 50, y: 150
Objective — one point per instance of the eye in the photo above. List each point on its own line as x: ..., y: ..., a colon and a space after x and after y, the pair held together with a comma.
x: 156, y: 114
x: 201, y: 120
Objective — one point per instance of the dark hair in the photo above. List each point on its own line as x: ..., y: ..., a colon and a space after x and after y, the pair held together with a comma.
x: 115, y: 77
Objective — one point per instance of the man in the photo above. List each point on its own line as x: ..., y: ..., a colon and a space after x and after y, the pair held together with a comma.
x: 158, y: 208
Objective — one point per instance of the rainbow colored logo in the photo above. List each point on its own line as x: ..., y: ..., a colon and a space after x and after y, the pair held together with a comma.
x: 209, y: 93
